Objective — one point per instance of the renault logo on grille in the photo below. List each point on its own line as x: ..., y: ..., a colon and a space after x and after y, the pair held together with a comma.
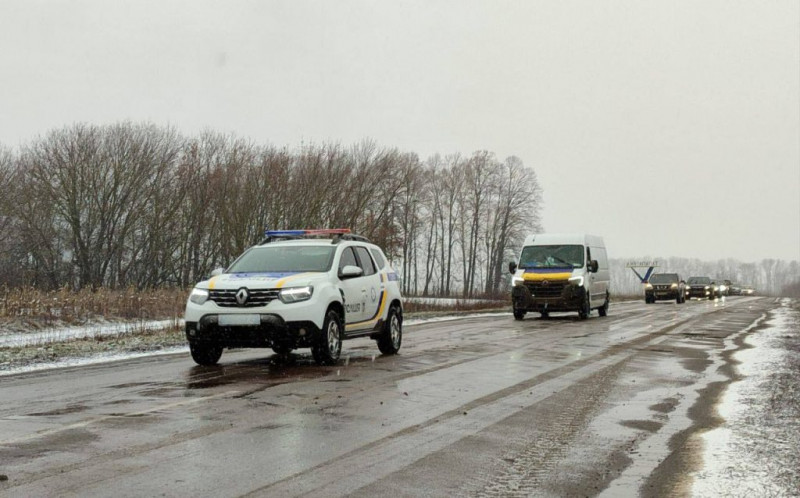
x: 241, y: 296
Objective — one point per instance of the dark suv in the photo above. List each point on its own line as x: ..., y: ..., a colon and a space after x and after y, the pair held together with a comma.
x: 665, y: 286
x: 701, y: 287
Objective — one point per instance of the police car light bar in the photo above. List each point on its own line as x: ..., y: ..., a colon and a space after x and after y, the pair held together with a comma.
x: 300, y: 233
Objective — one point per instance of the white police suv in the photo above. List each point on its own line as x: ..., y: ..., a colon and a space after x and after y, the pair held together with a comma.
x: 297, y: 290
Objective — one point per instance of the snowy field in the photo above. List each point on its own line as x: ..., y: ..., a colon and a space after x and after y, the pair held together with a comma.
x: 14, y: 338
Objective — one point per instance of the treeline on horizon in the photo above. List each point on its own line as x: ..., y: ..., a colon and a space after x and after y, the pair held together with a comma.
x: 138, y: 205
x: 774, y: 277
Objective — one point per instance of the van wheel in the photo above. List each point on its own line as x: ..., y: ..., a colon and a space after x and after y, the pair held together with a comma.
x: 392, y: 334
x: 329, y: 345
x: 205, y: 354
x: 586, y: 308
x: 518, y: 314
x: 282, y: 349
x: 603, y: 310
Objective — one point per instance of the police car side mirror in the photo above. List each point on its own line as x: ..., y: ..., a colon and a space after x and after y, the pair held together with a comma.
x: 512, y: 267
x: 217, y: 271
x: 350, y: 271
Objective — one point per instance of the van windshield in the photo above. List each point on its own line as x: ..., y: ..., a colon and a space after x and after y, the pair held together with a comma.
x: 553, y: 256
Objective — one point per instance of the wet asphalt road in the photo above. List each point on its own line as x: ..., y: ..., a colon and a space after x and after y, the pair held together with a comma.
x: 478, y: 407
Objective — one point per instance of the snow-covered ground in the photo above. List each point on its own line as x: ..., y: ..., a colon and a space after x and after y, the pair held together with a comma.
x: 755, y: 451
x: 66, y: 333
x: 446, y: 301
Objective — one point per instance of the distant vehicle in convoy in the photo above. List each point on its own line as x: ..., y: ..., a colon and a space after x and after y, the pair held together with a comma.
x: 723, y: 286
x: 561, y: 272
x: 748, y: 290
x: 665, y: 286
x: 701, y: 287
x: 296, y: 291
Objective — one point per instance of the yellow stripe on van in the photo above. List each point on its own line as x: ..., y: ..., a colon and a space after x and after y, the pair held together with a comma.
x: 538, y: 277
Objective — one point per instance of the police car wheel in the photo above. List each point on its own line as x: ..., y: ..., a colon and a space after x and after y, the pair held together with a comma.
x: 392, y: 334
x: 329, y: 344
x: 205, y: 354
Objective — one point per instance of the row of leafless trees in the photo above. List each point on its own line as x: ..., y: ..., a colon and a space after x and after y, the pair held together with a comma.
x: 140, y: 205
x: 769, y: 276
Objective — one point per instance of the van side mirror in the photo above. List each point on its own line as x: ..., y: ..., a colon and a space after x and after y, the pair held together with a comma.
x: 512, y: 267
x: 217, y: 271
x: 593, y: 266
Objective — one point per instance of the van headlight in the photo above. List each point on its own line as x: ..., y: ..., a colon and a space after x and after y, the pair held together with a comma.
x: 576, y: 281
x: 198, y: 296
x: 517, y: 281
x: 296, y: 294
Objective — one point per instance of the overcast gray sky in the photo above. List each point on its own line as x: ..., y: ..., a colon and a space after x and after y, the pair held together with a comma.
x: 669, y: 127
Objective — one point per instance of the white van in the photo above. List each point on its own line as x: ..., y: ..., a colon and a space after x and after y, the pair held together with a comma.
x: 560, y: 272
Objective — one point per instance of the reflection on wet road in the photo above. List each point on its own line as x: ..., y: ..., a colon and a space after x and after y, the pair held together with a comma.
x: 481, y: 406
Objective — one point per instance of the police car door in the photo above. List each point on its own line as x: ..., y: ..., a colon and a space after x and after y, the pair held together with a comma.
x: 373, y: 287
x: 354, y: 289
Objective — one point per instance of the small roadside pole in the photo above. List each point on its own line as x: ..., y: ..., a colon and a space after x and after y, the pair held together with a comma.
x: 650, y: 265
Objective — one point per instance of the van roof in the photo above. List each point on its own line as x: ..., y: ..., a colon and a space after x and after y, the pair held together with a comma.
x: 564, y: 238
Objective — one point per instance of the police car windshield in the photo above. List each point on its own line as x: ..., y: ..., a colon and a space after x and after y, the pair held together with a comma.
x: 289, y: 258
x: 553, y: 256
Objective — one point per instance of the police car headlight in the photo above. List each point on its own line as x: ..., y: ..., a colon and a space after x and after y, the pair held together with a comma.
x: 296, y: 294
x: 198, y: 296
x: 576, y: 281
x: 517, y: 281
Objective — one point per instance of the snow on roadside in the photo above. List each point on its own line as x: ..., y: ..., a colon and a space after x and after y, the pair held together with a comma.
x: 61, y: 334
x: 751, y: 450
x: 97, y: 330
x: 446, y: 301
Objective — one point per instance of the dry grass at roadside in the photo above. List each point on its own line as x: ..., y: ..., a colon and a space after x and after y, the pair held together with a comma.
x: 65, y: 306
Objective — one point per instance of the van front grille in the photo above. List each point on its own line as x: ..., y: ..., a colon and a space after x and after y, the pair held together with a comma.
x: 547, y: 288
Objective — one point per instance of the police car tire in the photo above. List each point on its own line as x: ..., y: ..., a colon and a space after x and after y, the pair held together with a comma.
x: 324, y: 352
x: 205, y: 354
x: 385, y: 343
